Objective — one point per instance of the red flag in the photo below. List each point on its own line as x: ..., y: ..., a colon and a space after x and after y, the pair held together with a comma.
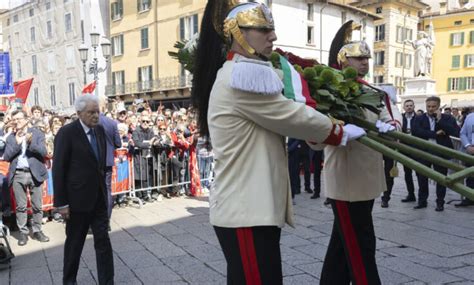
x: 22, y: 89
x: 89, y: 88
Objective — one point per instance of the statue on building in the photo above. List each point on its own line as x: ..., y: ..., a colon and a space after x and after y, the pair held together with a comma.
x: 423, y: 53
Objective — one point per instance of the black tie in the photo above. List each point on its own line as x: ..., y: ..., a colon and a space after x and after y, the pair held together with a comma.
x: 94, y: 143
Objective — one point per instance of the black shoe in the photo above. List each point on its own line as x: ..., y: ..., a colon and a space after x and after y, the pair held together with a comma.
x: 40, y: 236
x: 23, y: 240
x: 420, y: 206
x: 315, y: 196
x: 439, y: 208
x: 308, y: 190
x: 409, y: 198
x: 464, y: 203
x: 327, y: 202
x: 384, y: 204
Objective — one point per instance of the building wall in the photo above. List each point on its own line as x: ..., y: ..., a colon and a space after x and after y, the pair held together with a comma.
x: 443, y: 53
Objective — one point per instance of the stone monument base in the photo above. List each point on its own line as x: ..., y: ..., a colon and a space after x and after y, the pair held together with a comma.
x: 418, y: 89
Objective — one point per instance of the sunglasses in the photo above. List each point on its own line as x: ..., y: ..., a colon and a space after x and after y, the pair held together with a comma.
x: 123, y: 113
x: 162, y: 129
x: 144, y: 121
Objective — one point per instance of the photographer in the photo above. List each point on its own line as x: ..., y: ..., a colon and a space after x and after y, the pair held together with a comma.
x: 162, y: 148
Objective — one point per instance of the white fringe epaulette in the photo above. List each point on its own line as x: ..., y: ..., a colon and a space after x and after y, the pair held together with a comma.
x: 255, y: 76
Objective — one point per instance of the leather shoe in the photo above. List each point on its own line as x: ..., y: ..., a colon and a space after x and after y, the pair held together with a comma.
x: 40, y: 236
x: 23, y: 240
x: 420, y: 206
x: 439, y: 208
x: 327, y: 202
x: 409, y: 198
x: 308, y: 190
x: 464, y: 203
x: 315, y: 196
x: 384, y: 204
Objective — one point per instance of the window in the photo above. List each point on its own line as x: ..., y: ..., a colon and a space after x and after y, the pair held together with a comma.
x: 398, y: 59
x: 8, y: 22
x: 116, y: 9
x: 188, y: 26
x: 34, y: 64
x: 310, y: 16
x: 471, y: 21
x: 378, y: 79
x: 15, y: 18
x: 48, y: 5
x: 471, y: 37
x: 458, y: 23
x: 72, y: 93
x: 143, y: 5
x: 470, y: 83
x: 399, y: 84
x: 310, y: 39
x: 469, y: 60
x: 404, y: 34
x: 52, y: 89
x: 118, y: 81
x: 145, y: 78
x: 144, y: 38
x: 51, y: 62
x: 32, y: 12
x: 36, y: 95
x: 456, y: 61
x: 68, y: 22
x: 379, y: 58
x: 407, y: 63
x: 18, y: 68
x: 343, y: 17
x: 117, y: 45
x: 17, y: 39
x: 70, y: 58
x: 49, y: 29
x: 457, y: 39
x: 33, y: 34
x: 380, y: 33
x: 378, y: 10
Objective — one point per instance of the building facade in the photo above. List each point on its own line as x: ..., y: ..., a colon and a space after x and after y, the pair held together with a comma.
x: 142, y: 34
x: 453, y: 54
x: 393, y: 53
x: 43, y: 38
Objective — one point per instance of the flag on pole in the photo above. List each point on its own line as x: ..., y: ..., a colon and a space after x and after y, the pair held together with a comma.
x: 89, y: 88
x: 22, y: 89
x: 296, y: 88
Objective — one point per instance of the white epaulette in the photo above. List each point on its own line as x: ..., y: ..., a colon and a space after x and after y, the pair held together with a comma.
x: 255, y: 76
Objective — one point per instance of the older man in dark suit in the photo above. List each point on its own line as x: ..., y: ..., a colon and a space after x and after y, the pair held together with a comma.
x: 436, y: 128
x: 25, y: 150
x: 80, y: 191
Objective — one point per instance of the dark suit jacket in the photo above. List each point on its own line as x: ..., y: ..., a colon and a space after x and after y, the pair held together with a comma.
x: 421, y: 128
x: 35, y: 153
x: 112, y: 137
x: 78, y: 178
x: 405, y: 122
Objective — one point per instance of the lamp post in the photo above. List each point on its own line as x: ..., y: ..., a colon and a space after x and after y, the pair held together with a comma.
x: 94, y: 68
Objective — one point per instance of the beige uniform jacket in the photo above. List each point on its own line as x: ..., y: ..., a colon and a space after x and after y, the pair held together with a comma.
x: 248, y: 132
x: 355, y: 172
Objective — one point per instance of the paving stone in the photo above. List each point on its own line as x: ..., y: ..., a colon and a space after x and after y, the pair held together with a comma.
x: 126, y: 246
x: 388, y: 276
x: 315, y: 251
x: 205, y: 252
x: 295, y: 257
x: 444, y: 228
x: 185, y: 240
x: 434, y: 261
x: 292, y: 240
x: 28, y: 261
x: 464, y: 272
x: 161, y: 247
x: 313, y: 269
x: 192, y: 269
x: 139, y: 259
x: 401, y: 251
x: 219, y: 266
x: 416, y: 271
x: 300, y: 279
x: 35, y: 275
x: 84, y: 276
x: 466, y: 259
x: 156, y: 275
x: 289, y: 270
x: 168, y: 229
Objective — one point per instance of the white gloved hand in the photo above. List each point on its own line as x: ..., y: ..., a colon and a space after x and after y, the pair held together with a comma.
x: 384, y: 127
x: 351, y: 132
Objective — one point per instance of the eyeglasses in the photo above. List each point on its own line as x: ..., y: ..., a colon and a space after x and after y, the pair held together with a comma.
x: 162, y: 129
x: 122, y: 113
x: 145, y: 121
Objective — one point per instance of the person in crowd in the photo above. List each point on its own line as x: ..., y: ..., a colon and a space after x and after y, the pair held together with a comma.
x: 408, y: 117
x: 467, y: 141
x: 457, y: 115
x: 355, y: 178
x: 37, y: 112
x: 25, y: 149
x: 447, y: 111
x: 419, y: 112
x: 317, y: 158
x: 294, y: 166
x: 80, y: 192
x: 436, y: 128
x: 247, y: 120
x: 122, y: 115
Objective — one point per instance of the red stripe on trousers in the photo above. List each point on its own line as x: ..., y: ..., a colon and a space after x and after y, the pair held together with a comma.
x: 352, y: 244
x: 248, y: 255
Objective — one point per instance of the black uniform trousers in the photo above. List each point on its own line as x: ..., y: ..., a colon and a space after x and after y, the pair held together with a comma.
x: 318, y: 158
x: 252, y: 254
x: 387, y: 166
x: 76, y: 232
x: 351, y: 252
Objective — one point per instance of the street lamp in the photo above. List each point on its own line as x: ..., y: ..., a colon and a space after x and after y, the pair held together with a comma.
x: 94, y: 68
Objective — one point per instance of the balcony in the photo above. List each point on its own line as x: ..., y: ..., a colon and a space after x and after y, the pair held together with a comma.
x: 162, y: 84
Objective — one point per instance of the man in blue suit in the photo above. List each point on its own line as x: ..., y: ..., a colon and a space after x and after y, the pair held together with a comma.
x: 467, y: 140
x: 436, y: 128
x: 25, y: 149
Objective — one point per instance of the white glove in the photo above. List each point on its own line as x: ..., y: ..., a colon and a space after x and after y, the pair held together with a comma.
x: 384, y: 127
x: 351, y: 132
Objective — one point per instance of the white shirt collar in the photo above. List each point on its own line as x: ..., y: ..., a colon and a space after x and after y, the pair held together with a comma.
x: 84, y: 127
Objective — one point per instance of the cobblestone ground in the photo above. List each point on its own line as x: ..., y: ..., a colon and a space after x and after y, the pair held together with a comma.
x: 171, y: 242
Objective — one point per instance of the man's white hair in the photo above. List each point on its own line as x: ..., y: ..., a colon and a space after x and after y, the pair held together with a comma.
x: 81, y: 101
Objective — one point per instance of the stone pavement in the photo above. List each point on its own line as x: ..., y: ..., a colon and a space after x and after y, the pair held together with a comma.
x: 171, y: 242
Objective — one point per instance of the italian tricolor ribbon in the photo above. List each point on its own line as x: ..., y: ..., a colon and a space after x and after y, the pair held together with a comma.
x: 296, y: 88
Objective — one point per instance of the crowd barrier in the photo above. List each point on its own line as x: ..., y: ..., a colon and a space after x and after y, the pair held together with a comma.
x: 124, y: 176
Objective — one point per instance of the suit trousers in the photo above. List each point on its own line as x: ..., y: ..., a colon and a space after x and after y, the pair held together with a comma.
x: 351, y: 251
x: 252, y: 254
x: 318, y: 159
x: 409, y: 180
x: 76, y: 232
x: 108, y: 185
x: 423, y: 192
x: 22, y: 181
x: 388, y: 165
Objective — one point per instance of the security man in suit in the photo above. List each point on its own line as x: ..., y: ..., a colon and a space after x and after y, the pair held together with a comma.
x: 408, y: 118
x: 80, y: 193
